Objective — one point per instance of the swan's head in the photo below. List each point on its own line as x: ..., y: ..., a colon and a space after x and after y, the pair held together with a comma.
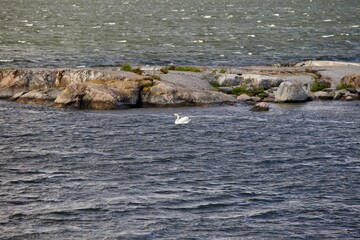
x: 175, y: 114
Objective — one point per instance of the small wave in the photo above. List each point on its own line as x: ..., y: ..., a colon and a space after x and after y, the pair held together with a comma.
x: 6, y: 60
x: 327, y: 36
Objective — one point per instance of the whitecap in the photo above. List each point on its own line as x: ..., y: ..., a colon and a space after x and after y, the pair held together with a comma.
x: 185, y: 18
x: 198, y: 41
x: 122, y: 41
x: 168, y: 45
x: 80, y: 66
x: 327, y: 36
x: 355, y: 26
x: 110, y: 23
x: 207, y: 16
x: 251, y: 35
x: 272, y: 25
x: 29, y: 24
x: 60, y: 26
x: 327, y: 20
x: 276, y: 15
x: 6, y: 60
x: 250, y: 53
x: 21, y: 41
x: 96, y: 27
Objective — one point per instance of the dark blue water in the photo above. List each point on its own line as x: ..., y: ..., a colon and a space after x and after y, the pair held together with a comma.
x: 290, y: 173
x: 35, y: 33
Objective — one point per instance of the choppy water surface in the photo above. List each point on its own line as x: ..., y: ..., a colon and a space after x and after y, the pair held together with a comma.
x: 211, y: 32
x: 290, y: 173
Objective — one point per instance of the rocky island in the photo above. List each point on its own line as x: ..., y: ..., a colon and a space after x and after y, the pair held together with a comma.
x: 118, y: 88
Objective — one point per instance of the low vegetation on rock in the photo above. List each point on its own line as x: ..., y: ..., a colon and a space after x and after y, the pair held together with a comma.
x: 180, y: 68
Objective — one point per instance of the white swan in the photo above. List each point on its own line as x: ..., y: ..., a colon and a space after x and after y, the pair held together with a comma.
x: 183, y: 120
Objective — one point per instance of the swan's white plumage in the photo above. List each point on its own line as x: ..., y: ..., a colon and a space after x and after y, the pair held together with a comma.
x: 181, y: 120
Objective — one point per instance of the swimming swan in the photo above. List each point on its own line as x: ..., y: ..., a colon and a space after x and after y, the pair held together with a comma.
x: 183, y: 120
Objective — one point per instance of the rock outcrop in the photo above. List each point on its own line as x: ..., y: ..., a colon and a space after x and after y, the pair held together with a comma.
x: 107, y: 88
x: 184, y: 88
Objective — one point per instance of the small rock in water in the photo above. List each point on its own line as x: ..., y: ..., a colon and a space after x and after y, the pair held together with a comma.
x: 262, y: 106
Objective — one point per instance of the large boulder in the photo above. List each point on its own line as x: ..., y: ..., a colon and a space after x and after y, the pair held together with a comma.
x: 292, y: 92
x: 168, y: 94
x: 263, y: 81
x: 111, y: 94
x: 353, y: 80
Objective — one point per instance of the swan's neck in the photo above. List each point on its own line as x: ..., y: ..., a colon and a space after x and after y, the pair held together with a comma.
x: 177, y: 116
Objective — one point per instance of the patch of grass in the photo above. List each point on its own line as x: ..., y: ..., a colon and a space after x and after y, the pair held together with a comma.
x: 318, y: 86
x: 262, y: 95
x: 126, y: 67
x: 180, y: 68
x: 344, y: 86
x: 217, y: 85
x: 240, y: 90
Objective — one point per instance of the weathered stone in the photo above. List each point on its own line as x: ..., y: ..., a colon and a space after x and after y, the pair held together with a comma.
x: 349, y: 98
x: 292, y: 92
x: 226, y: 89
x: 229, y: 79
x: 39, y: 96
x: 263, y: 81
x: 322, y: 95
x: 184, y: 89
x: 351, y: 90
x: 353, y: 96
x: 107, y: 95
x: 339, y: 94
x: 262, y: 106
x: 244, y: 97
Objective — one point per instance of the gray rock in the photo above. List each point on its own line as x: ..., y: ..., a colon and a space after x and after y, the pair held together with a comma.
x: 229, y: 79
x: 263, y: 81
x: 262, y: 106
x: 226, y: 89
x: 244, y: 97
x: 322, y: 95
x: 292, y: 92
x: 339, y: 94
x: 349, y: 98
